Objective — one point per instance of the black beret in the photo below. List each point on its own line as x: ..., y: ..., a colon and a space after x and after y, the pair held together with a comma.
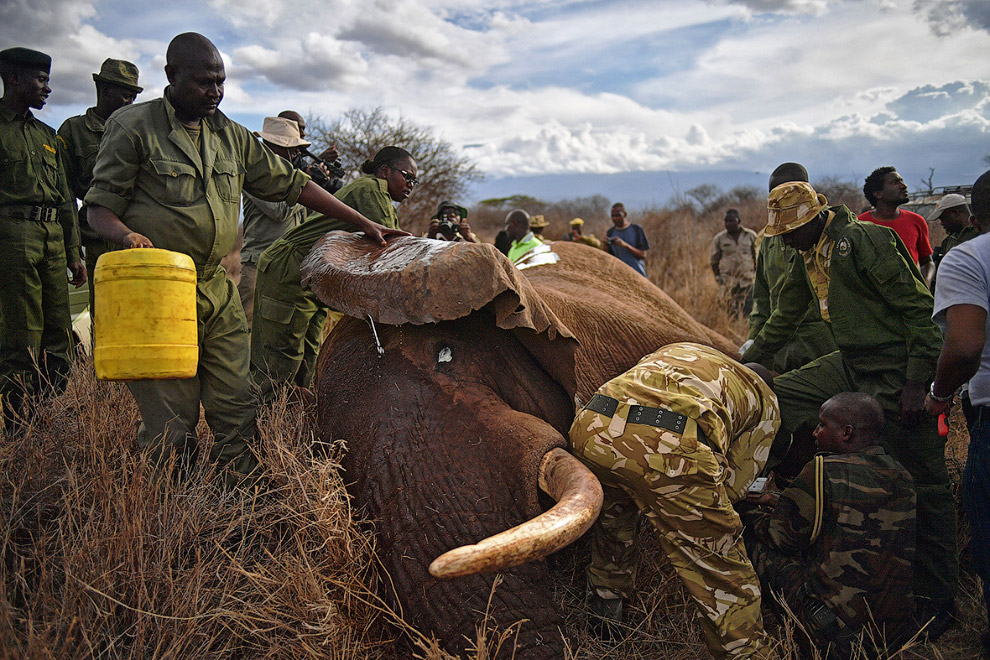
x: 25, y: 58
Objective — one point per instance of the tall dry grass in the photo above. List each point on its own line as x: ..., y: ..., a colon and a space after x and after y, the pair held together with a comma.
x: 97, y: 562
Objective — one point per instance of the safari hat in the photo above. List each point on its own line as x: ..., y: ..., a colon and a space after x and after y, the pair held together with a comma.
x: 25, y: 58
x: 119, y: 72
x: 281, y: 131
x: 538, y: 221
x: 576, y: 222
x: 792, y: 205
x: 947, y: 202
x: 447, y: 204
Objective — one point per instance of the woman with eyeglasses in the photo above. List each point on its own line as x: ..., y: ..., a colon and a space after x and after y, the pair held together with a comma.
x: 288, y: 320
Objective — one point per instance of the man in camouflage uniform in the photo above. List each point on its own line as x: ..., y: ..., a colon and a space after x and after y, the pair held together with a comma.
x: 733, y: 260
x: 116, y: 86
x: 879, y: 309
x: 680, y: 437
x: 838, y: 545
x: 40, y: 238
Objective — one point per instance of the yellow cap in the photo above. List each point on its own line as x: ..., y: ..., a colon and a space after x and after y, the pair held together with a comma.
x: 792, y: 205
x: 576, y: 222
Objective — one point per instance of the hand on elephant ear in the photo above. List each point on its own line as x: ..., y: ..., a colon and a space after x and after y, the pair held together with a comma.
x: 418, y: 281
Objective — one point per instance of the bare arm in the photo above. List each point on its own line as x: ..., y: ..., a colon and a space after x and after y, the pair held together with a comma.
x: 965, y: 334
x: 317, y: 199
x: 106, y: 223
x: 927, y: 268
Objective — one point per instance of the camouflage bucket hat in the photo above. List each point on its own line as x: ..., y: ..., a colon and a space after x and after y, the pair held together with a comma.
x: 538, y: 221
x: 792, y: 205
x: 119, y: 72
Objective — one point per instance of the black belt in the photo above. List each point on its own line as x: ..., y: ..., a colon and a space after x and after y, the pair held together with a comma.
x: 28, y: 212
x: 659, y: 417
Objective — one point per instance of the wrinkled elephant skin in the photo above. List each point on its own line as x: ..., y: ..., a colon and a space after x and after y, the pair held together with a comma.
x: 445, y: 431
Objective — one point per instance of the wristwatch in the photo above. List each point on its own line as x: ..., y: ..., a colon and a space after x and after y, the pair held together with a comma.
x: 936, y: 398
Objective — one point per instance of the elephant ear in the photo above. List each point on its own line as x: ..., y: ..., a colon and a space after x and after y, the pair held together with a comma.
x: 420, y: 280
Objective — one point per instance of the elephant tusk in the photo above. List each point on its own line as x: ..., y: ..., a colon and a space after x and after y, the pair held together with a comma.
x: 579, y: 501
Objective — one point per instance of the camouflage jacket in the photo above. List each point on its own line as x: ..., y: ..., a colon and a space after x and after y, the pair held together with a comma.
x: 861, y: 562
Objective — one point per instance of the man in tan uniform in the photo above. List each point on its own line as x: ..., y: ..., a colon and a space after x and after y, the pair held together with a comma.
x: 680, y: 437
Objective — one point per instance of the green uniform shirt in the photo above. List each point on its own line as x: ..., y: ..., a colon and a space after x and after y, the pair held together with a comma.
x: 876, y: 295
x: 31, y: 172
x: 368, y: 195
x: 81, y: 137
x: 151, y: 175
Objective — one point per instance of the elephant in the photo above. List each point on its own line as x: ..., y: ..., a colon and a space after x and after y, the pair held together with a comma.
x: 453, y: 380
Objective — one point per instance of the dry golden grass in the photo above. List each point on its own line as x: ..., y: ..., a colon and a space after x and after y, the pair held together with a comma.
x: 96, y: 562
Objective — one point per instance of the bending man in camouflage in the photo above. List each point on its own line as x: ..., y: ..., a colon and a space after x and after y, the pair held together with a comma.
x: 838, y: 546
x: 682, y: 461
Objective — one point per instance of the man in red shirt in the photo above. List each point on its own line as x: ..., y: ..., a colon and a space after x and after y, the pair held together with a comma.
x: 886, y: 191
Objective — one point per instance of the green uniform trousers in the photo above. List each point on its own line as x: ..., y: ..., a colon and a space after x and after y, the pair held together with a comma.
x: 94, y: 248
x: 288, y: 324
x: 921, y: 450
x: 170, y: 408
x: 36, y: 346
x: 680, y: 484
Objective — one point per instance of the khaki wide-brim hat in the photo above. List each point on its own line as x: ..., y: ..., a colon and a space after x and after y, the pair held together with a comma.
x: 538, y: 221
x: 949, y: 201
x: 792, y: 205
x: 576, y: 222
x: 281, y: 131
x: 119, y: 72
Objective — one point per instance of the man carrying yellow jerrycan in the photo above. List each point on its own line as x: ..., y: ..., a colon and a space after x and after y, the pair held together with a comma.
x: 170, y: 174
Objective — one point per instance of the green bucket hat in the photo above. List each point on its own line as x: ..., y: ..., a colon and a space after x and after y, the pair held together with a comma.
x: 119, y: 72
x: 447, y: 204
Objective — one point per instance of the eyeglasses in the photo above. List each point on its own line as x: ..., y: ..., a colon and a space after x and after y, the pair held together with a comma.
x: 408, y: 176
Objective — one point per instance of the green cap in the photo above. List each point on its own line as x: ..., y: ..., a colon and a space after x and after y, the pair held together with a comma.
x: 119, y: 72
x: 25, y: 58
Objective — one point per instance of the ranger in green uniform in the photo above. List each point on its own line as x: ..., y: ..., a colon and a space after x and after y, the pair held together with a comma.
x: 871, y: 293
x: 288, y: 319
x: 39, y: 233
x: 838, y: 544
x: 116, y: 86
x: 813, y: 338
x: 169, y: 174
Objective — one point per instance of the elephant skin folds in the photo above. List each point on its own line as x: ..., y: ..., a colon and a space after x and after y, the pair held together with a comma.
x: 481, y: 369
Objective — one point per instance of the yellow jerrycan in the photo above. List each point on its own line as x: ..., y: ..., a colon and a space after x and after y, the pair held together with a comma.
x: 145, y: 317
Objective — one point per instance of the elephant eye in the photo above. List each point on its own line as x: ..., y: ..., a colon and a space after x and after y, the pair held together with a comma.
x: 445, y: 355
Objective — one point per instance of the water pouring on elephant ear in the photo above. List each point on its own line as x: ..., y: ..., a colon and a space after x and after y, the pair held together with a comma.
x: 579, y: 501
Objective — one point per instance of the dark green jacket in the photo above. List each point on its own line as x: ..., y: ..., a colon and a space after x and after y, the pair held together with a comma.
x: 32, y: 173
x: 150, y: 174
x: 81, y: 137
x: 876, y: 299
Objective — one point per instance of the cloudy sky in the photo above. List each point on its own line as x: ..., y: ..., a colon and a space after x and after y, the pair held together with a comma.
x: 641, y: 98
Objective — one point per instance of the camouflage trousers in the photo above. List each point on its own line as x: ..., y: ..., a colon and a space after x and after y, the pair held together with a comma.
x: 681, y: 486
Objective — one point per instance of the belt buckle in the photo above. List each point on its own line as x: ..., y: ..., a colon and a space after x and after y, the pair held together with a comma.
x: 35, y: 215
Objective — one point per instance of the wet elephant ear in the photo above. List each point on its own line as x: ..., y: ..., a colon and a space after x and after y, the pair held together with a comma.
x: 420, y: 280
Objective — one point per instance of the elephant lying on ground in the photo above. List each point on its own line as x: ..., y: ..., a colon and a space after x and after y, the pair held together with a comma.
x: 481, y: 367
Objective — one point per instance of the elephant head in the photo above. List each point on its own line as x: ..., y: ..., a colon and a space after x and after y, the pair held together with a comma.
x: 453, y: 385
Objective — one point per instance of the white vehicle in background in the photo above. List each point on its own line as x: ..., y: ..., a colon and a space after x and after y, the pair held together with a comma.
x: 82, y: 322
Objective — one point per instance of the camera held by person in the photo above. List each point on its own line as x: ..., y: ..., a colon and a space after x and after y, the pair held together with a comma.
x: 450, y: 224
x: 325, y: 169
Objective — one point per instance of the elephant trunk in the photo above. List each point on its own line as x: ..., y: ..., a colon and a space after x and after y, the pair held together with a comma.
x: 579, y: 500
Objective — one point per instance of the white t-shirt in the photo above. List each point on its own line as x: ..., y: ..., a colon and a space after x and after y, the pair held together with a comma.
x: 964, y: 279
